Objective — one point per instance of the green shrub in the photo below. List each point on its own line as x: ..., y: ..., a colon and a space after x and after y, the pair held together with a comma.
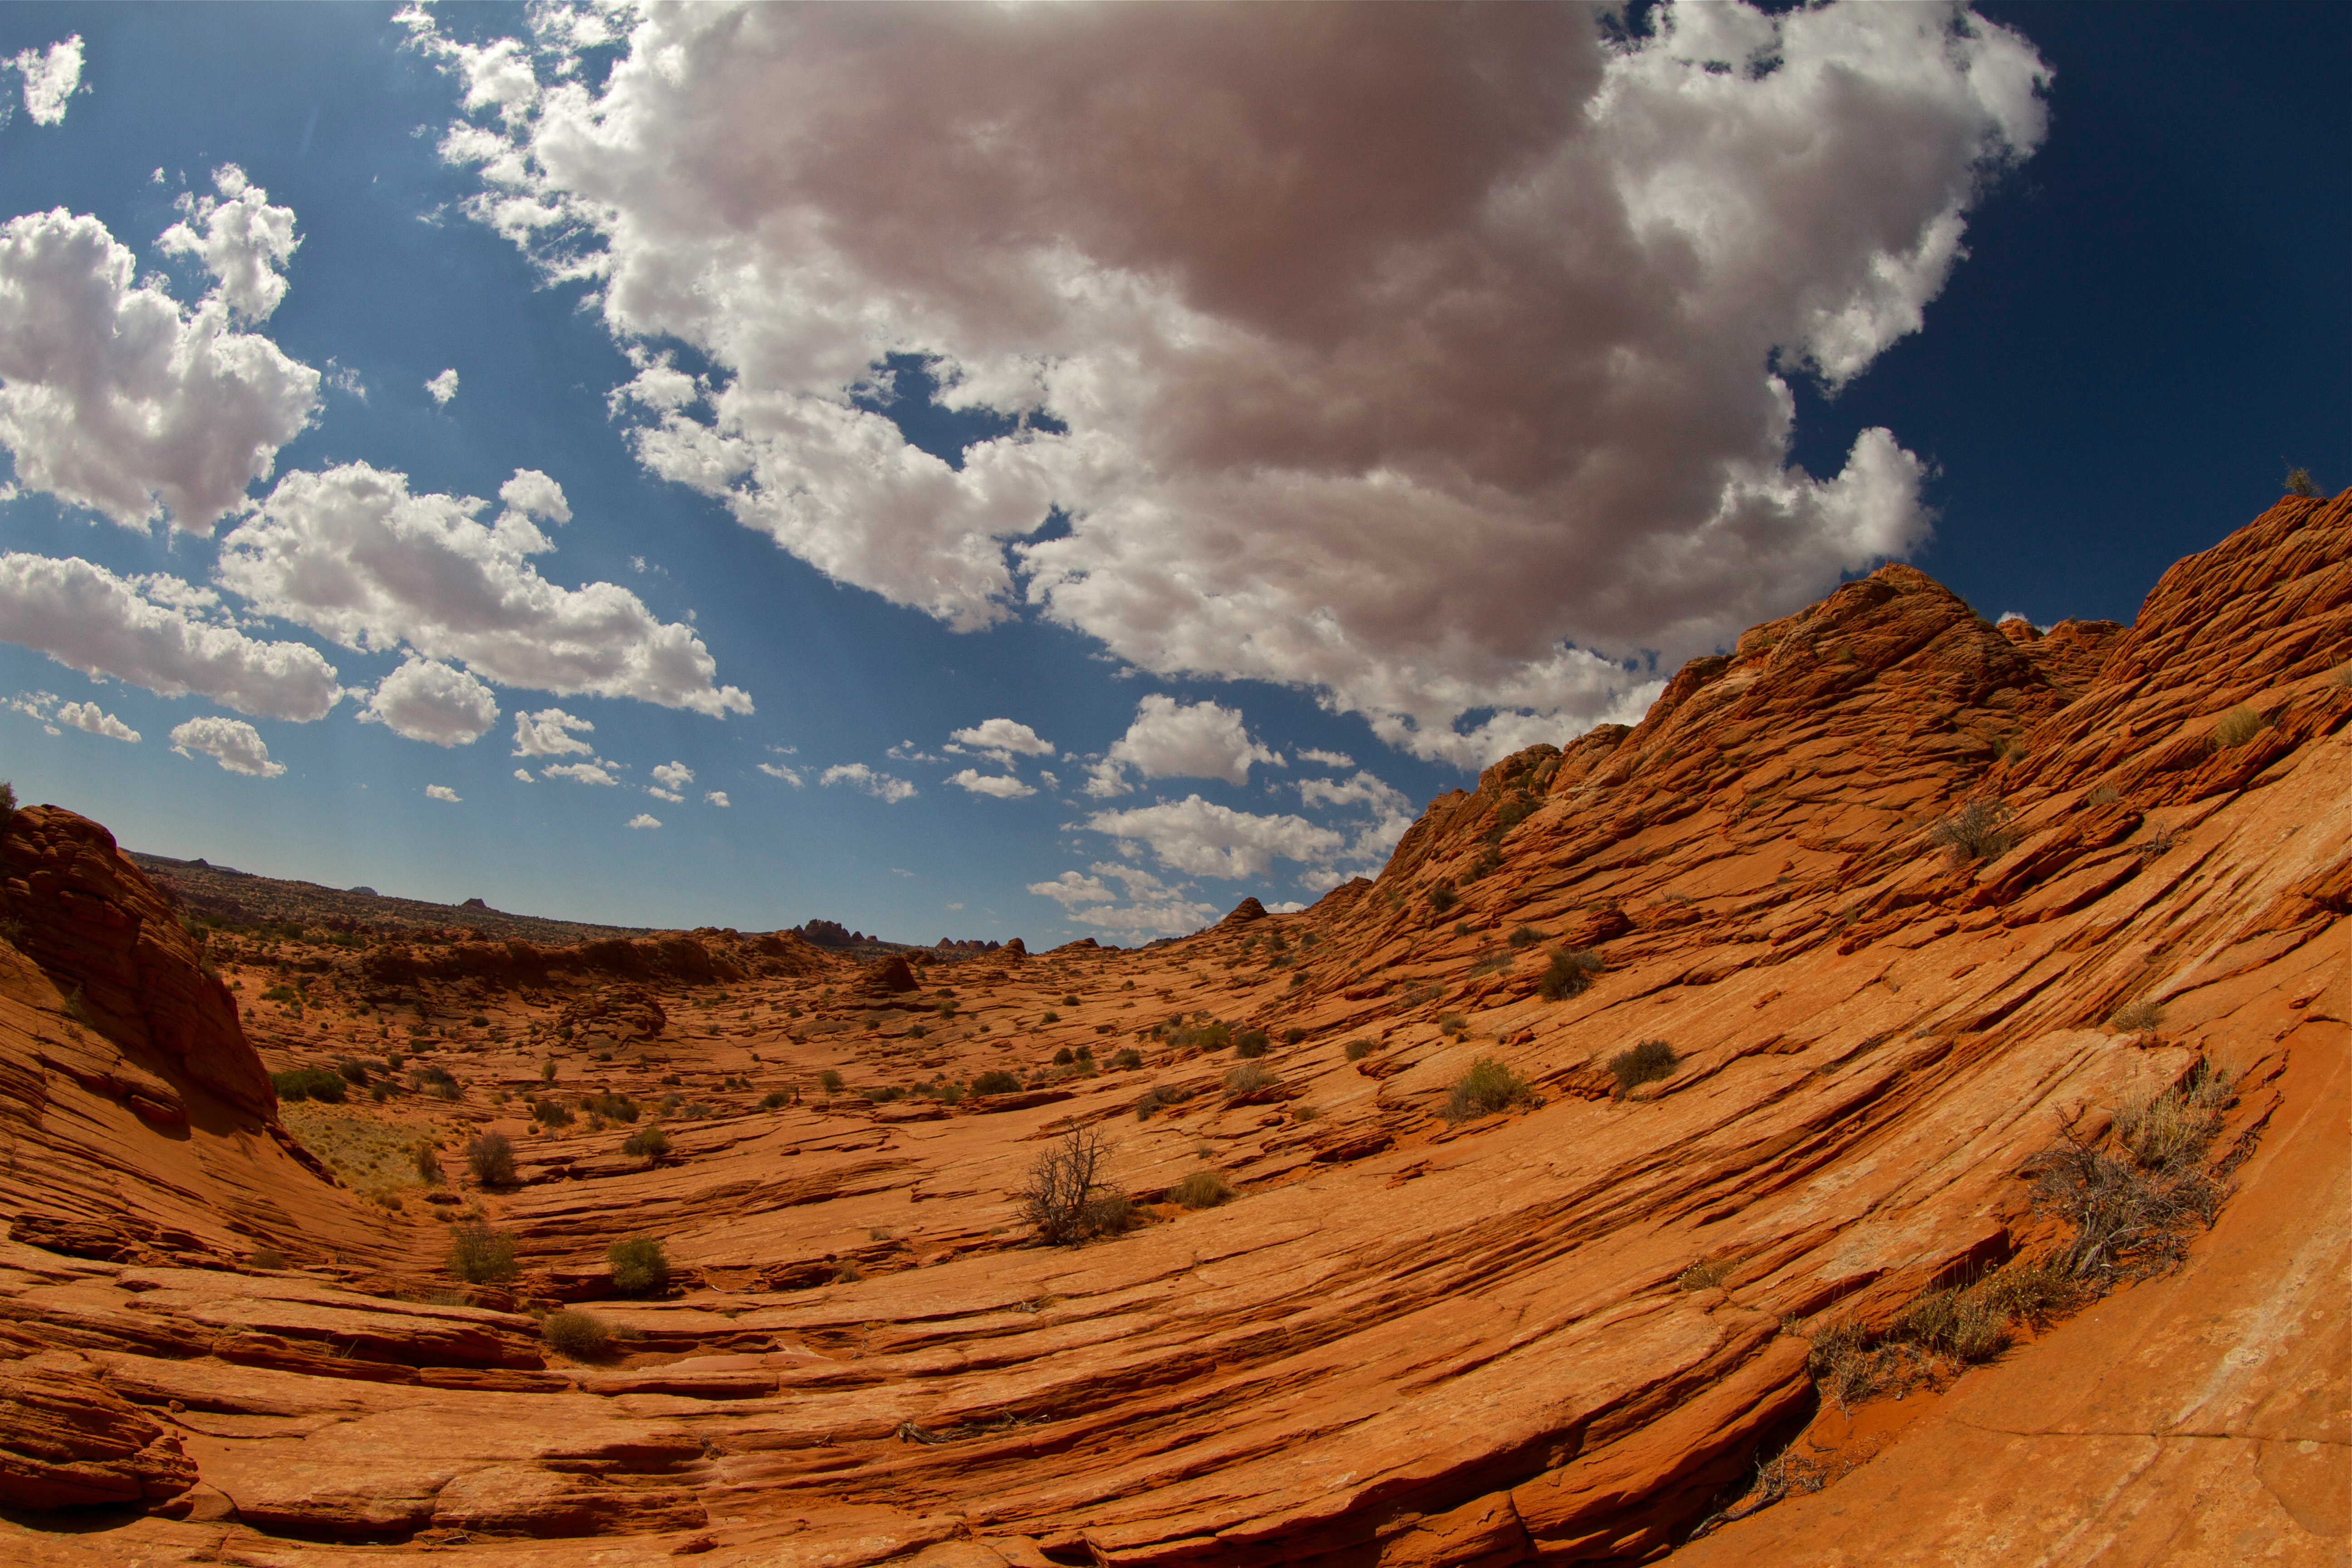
x: 1201, y: 1190
x: 1212, y: 1037
x: 610, y: 1106
x: 354, y: 1072
x: 1126, y: 1059
x: 649, y: 1143
x: 550, y: 1113
x: 479, y: 1255
x: 580, y: 1335
x: 1489, y: 1086
x: 1051, y: 1018
x: 1443, y: 898
x: 1247, y: 1077
x: 828, y: 1080
x: 1250, y: 1043
x: 774, y: 1099
x: 640, y: 1267
x: 1063, y: 1058
x: 308, y: 1083
x: 1568, y: 974
x: 2235, y: 728
x: 1359, y: 1049
x: 995, y: 1080
x: 1645, y: 1063
x: 490, y: 1156
x: 1085, y: 1053
x: 428, y: 1165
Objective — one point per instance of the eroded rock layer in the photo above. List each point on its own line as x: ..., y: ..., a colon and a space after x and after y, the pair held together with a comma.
x: 1421, y: 1333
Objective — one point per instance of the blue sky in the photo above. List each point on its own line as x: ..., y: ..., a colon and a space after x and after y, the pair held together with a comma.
x: 1238, y: 426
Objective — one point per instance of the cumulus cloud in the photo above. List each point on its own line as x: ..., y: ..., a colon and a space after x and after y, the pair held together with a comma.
x: 1001, y: 739
x: 442, y: 388
x: 425, y: 699
x: 1002, y: 786
x: 673, y: 774
x: 232, y: 743
x: 114, y: 397
x: 89, y: 716
x: 1434, y: 361
x: 717, y: 798
x: 242, y: 241
x: 524, y: 774
x: 1204, y: 839
x: 579, y: 772
x: 1363, y: 789
x: 1151, y: 905
x: 1326, y: 759
x: 442, y: 792
x: 881, y: 786
x: 779, y: 771
x: 353, y: 555
x: 51, y: 76
x: 89, y: 619
x: 643, y: 820
x: 1173, y: 740
x: 549, y: 733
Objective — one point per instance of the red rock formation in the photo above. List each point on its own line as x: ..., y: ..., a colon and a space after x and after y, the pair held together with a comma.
x: 1561, y: 1329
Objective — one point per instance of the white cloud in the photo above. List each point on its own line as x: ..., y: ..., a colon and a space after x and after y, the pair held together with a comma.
x: 353, y: 555
x: 232, y: 743
x: 1002, y: 786
x: 89, y: 716
x: 1327, y: 759
x: 89, y: 619
x: 534, y: 494
x: 442, y: 792
x: 1576, y: 455
x: 1201, y: 839
x: 50, y: 78
x: 718, y: 798
x: 428, y: 701
x: 673, y: 774
x: 579, y: 772
x: 668, y: 794
x: 442, y: 388
x: 116, y: 398
x: 644, y: 820
x: 1173, y: 740
x: 243, y: 242
x: 1003, y: 740
x: 1153, y: 906
x: 548, y: 733
x: 1364, y: 789
x: 881, y: 786
x: 777, y: 771
x: 524, y: 774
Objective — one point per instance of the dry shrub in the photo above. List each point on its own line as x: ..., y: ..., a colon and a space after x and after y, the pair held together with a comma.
x: 479, y: 1255
x: 490, y: 1156
x: 1488, y: 1086
x: 582, y: 1336
x: 1648, y: 1062
x: 1247, y: 1077
x: 1202, y: 1190
x: 1568, y: 973
x: 639, y: 1265
x: 1065, y: 1199
x: 1359, y: 1049
x: 1977, y: 831
x: 1251, y: 1043
x: 2136, y: 1017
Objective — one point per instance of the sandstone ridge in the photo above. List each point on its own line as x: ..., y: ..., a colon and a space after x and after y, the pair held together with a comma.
x: 1354, y: 1313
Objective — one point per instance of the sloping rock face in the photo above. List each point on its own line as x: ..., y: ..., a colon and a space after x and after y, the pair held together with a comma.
x: 1416, y: 1336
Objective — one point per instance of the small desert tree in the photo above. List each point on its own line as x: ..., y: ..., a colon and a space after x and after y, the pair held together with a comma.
x: 490, y: 1156
x: 2299, y: 483
x: 1977, y: 831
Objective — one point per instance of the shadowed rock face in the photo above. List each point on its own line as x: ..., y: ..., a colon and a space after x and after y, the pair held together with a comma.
x: 1407, y: 1340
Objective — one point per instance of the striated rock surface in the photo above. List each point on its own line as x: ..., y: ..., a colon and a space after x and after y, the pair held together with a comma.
x: 1562, y: 1330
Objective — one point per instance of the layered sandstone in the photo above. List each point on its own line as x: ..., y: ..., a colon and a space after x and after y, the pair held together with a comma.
x: 1409, y: 1341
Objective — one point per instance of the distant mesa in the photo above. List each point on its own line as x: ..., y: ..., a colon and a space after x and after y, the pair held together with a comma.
x: 473, y: 904
x: 363, y: 891
x: 953, y: 945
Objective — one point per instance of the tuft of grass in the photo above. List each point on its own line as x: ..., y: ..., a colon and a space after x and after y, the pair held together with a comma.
x: 1202, y: 1190
x: 2234, y: 729
x: 1707, y: 1274
x: 582, y: 1336
x: 1247, y: 1077
x: 1648, y: 1062
x: 1977, y: 831
x: 479, y: 1255
x: 2136, y: 1017
x: 640, y: 1267
x: 1488, y: 1086
x: 2105, y: 794
x: 1568, y: 974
